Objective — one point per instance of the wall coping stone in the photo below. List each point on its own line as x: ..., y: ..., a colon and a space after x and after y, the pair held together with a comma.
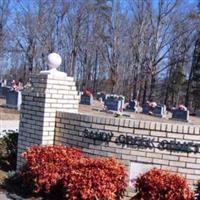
x: 133, y: 123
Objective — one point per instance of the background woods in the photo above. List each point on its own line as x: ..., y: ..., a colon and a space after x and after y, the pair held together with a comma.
x: 143, y: 49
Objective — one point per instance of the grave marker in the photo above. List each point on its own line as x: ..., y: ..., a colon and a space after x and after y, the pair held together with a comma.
x: 1, y: 90
x: 4, y: 91
x: 197, y: 113
x: 87, y: 100
x: 132, y: 105
x: 114, y: 102
x: 14, y: 99
x: 178, y: 114
x: 159, y: 111
x: 146, y: 108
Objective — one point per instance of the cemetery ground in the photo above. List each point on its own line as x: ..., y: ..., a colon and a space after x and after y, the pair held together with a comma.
x: 7, y: 114
x: 94, y: 109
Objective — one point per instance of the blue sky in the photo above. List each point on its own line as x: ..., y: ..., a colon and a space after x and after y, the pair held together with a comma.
x: 24, y: 4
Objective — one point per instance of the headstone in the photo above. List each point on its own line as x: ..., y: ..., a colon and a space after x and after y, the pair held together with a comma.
x: 4, y: 91
x: 132, y: 105
x: 180, y: 115
x: 146, y: 108
x: 14, y: 99
x: 87, y: 100
x: 159, y: 111
x: 112, y: 104
x: 1, y: 90
x: 197, y: 113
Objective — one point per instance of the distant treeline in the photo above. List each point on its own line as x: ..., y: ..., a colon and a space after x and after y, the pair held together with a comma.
x: 143, y: 49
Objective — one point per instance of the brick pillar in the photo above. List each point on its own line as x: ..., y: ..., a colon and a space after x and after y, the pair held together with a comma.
x: 47, y: 93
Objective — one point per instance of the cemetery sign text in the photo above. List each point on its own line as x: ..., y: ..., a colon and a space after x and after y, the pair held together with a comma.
x: 142, y: 142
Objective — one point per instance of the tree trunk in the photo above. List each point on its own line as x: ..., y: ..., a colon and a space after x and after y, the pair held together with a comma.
x: 145, y: 92
x: 152, y: 86
x: 135, y: 87
x: 166, y: 94
x: 95, y: 72
x: 73, y: 62
x: 187, y: 96
x: 140, y: 92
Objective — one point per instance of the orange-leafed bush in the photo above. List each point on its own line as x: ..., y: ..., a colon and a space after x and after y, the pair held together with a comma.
x: 67, y: 171
x: 99, y: 178
x: 45, y: 164
x: 158, y: 184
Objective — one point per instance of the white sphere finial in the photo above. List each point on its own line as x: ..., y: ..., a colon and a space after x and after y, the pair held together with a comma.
x: 54, y: 60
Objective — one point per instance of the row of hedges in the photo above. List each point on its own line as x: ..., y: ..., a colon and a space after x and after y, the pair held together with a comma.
x: 70, y: 174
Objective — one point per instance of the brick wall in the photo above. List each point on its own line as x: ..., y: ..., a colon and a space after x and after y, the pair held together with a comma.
x: 70, y: 131
x: 45, y: 95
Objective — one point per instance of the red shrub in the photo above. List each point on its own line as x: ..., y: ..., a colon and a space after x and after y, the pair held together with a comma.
x: 99, y: 178
x: 158, y: 184
x: 44, y: 165
x: 77, y: 177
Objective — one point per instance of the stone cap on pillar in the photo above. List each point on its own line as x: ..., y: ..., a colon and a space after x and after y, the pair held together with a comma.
x: 54, y: 61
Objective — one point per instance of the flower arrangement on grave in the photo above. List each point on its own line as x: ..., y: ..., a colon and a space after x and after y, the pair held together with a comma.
x: 150, y: 105
x: 182, y: 107
x: 153, y: 104
x: 87, y: 92
x: 115, y: 97
x: 112, y: 97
